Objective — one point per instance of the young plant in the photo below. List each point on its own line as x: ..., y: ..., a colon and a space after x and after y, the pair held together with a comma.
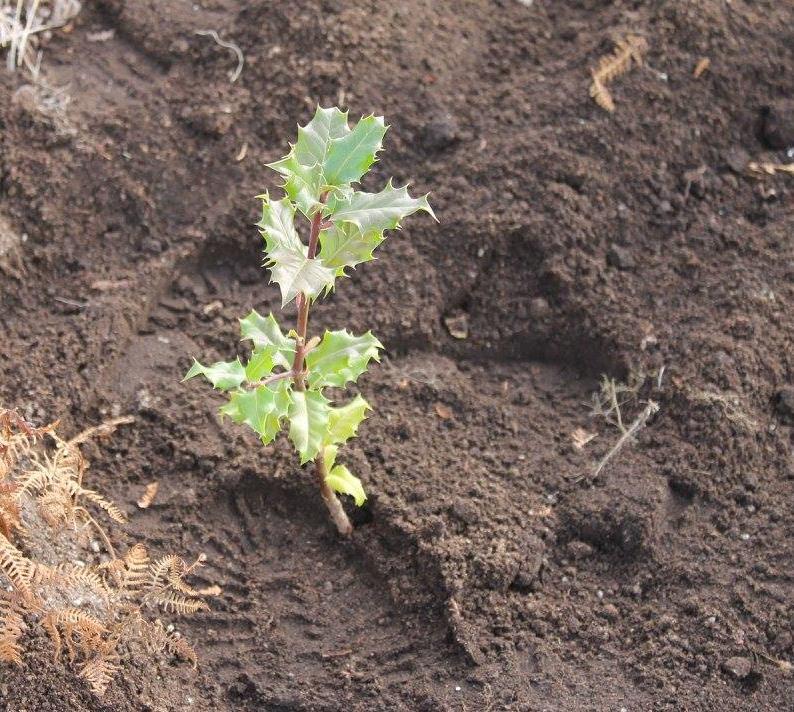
x: 287, y: 374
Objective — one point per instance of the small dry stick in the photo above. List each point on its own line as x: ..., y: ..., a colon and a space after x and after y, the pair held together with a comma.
x: 639, y: 422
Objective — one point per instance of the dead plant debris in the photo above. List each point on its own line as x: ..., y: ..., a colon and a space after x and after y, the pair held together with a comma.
x: 701, y: 67
x: 149, y: 494
x: 580, y: 437
x: 628, y: 50
x: 770, y: 169
x: 96, y: 612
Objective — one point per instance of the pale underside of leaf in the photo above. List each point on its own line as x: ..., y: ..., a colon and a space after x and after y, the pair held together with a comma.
x: 377, y: 211
x: 295, y: 273
x: 308, y: 414
x: 278, y: 225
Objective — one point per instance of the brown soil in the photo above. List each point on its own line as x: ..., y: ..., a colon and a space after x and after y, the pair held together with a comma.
x: 485, y: 573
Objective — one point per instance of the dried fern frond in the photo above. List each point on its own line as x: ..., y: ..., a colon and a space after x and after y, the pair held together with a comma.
x: 68, y: 575
x: 770, y: 168
x: 103, y: 430
x: 159, y: 640
x: 76, y: 491
x: 81, y: 631
x: 628, y: 50
x: 12, y: 628
x: 15, y: 566
x: 173, y: 602
x: 171, y: 571
x: 100, y: 671
x: 10, y: 515
x: 133, y: 575
x: 91, y: 612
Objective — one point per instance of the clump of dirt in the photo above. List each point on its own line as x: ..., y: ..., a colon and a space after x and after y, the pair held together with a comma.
x: 487, y: 570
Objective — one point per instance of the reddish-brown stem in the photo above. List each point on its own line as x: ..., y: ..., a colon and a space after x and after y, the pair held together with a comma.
x: 303, y: 302
x: 335, y: 509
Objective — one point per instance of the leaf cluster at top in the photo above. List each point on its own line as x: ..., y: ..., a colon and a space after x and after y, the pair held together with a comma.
x: 319, y: 173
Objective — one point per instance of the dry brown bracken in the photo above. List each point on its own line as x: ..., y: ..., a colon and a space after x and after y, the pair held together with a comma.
x: 92, y: 612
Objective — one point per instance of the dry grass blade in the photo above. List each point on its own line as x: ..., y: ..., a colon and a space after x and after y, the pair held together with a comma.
x: 21, y: 21
x: 700, y: 68
x: 639, y: 423
x: 627, y: 51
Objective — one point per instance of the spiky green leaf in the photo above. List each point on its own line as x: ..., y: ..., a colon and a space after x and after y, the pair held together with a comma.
x: 343, y: 423
x: 260, y: 364
x: 341, y: 480
x: 261, y: 409
x: 303, y: 184
x: 295, y: 273
x: 265, y: 331
x: 376, y: 212
x: 223, y: 375
x: 302, y: 168
x: 314, y: 139
x: 351, y: 156
x: 341, y: 358
x: 344, y: 245
x: 278, y: 226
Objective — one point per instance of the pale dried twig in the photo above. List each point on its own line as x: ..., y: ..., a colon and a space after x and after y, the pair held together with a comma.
x: 234, y: 75
x: 639, y: 422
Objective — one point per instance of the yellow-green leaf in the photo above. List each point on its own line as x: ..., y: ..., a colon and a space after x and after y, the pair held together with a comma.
x: 264, y: 332
x: 223, y: 375
x: 341, y: 358
x: 343, y: 422
x: 261, y: 409
x: 341, y: 480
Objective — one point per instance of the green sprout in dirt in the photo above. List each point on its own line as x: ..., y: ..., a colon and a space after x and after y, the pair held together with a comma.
x: 287, y: 374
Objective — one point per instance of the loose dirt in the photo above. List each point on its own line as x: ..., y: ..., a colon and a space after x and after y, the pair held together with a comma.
x: 485, y: 573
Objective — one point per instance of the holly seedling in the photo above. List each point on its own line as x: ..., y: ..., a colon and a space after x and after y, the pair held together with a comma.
x: 286, y: 376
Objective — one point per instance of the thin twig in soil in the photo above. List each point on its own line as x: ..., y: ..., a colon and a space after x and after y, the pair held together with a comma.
x: 639, y: 422
x: 234, y: 75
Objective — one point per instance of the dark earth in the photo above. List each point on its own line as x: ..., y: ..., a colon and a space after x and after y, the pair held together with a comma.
x: 488, y: 571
